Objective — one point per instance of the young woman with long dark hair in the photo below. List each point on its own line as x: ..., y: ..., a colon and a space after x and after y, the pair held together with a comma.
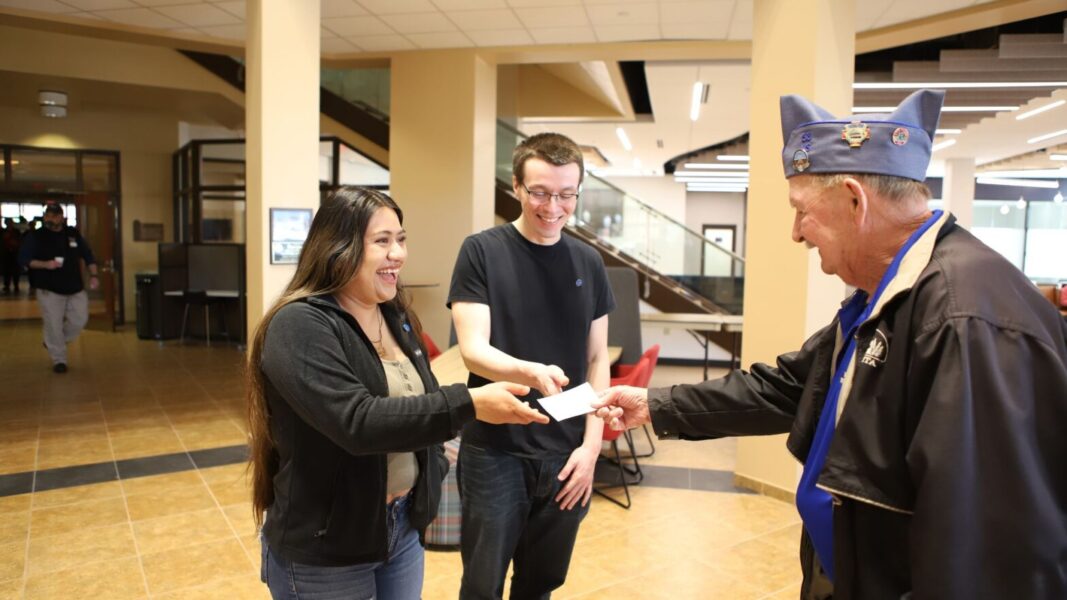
x: 346, y: 419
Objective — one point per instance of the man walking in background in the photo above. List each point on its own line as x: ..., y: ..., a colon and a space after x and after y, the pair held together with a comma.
x: 53, y: 254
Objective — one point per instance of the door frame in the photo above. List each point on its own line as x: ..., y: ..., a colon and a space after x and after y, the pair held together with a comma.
x: 11, y: 193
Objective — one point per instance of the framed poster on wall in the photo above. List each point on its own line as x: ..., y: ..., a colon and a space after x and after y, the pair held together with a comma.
x: 288, y: 230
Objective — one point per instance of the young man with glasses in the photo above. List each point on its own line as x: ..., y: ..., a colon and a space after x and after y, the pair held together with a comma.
x: 530, y: 306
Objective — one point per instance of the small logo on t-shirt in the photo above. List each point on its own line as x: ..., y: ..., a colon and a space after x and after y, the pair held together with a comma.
x: 578, y: 282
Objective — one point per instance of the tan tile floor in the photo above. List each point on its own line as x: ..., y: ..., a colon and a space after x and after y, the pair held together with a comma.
x: 190, y: 535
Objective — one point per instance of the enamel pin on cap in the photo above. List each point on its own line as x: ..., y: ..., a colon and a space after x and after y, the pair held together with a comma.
x: 897, y: 143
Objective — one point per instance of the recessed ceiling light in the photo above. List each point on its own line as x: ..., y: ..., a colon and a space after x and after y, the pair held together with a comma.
x: 955, y: 85
x: 1034, y: 183
x: 733, y: 157
x: 947, y: 131
x: 715, y: 166
x: 1047, y: 136
x: 700, y: 96
x: 623, y: 139
x: 945, y: 109
x: 1040, y: 109
x: 942, y: 145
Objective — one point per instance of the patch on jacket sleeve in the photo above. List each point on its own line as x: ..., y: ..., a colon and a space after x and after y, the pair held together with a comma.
x: 876, y: 351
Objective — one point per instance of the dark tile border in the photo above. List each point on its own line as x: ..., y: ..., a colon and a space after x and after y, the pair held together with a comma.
x: 708, y: 480
x: 64, y: 477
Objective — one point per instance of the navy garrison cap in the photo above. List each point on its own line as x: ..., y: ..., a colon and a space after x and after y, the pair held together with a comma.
x: 896, y: 144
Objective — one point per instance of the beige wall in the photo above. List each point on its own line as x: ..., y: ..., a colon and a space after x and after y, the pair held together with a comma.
x: 145, y: 142
x: 822, y: 71
x: 442, y: 169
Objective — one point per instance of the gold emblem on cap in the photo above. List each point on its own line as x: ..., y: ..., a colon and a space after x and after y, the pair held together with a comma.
x: 855, y: 133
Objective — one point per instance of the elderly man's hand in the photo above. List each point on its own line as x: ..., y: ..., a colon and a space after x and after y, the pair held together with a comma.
x: 623, y: 407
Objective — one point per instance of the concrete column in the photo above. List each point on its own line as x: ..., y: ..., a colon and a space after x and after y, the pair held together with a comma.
x: 957, y: 189
x: 282, y: 132
x: 804, y: 47
x: 442, y: 138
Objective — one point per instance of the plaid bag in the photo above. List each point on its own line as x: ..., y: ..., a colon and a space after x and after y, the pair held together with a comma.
x: 443, y: 532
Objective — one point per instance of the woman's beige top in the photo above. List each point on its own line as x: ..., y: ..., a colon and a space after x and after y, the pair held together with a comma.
x: 403, y: 380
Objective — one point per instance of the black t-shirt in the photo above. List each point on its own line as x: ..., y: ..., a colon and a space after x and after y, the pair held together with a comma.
x: 45, y: 244
x: 542, y: 301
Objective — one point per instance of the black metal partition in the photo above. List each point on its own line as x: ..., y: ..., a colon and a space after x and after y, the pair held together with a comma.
x: 218, y: 270
x: 209, y: 185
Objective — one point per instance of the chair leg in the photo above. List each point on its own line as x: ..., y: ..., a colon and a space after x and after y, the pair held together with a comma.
x: 622, y: 477
x: 207, y: 323
x: 651, y: 444
x: 636, y: 470
x: 185, y: 317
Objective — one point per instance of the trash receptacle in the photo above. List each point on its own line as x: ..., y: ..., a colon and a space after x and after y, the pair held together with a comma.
x: 149, y: 317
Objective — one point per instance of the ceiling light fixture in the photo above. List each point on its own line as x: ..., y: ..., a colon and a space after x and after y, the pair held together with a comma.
x: 1021, y: 204
x: 1040, y: 109
x: 711, y: 173
x: 1057, y: 156
x: 947, y: 131
x: 1004, y: 209
x: 1027, y: 173
x: 715, y: 166
x: 955, y: 85
x: 1047, y: 136
x: 733, y: 157
x: 1058, y: 198
x: 623, y: 139
x: 53, y: 104
x: 724, y: 188
x: 737, y: 180
x: 1032, y: 183
x: 942, y: 145
x: 946, y: 109
x: 700, y: 96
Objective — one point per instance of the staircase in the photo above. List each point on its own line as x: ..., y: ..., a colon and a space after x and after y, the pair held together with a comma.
x: 635, y: 235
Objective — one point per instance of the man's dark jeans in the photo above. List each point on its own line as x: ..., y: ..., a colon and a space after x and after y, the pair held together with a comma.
x: 509, y: 510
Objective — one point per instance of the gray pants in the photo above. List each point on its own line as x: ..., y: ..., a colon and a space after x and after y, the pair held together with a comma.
x: 64, y: 318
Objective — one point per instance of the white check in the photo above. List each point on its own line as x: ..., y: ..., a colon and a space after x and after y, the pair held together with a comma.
x: 571, y: 403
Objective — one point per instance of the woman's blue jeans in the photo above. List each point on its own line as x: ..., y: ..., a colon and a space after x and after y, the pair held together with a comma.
x: 398, y: 578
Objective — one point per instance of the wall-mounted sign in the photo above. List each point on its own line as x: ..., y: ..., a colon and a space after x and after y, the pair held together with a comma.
x: 288, y: 230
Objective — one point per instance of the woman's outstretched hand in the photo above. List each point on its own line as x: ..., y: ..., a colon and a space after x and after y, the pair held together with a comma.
x: 496, y: 403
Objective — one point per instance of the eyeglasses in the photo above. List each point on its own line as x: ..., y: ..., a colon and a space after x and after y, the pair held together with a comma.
x: 543, y: 196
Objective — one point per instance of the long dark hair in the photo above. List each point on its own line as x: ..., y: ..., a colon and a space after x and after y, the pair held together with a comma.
x: 329, y: 259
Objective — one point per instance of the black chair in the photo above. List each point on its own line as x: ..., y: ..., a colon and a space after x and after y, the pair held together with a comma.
x: 201, y: 298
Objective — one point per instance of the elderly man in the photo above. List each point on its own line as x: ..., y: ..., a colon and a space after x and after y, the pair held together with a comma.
x: 931, y: 414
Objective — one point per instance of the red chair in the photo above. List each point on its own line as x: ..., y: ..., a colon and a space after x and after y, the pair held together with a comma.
x: 652, y: 354
x: 626, y: 476
x: 432, y: 351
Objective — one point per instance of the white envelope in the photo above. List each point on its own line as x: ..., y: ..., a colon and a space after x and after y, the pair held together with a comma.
x: 571, y: 403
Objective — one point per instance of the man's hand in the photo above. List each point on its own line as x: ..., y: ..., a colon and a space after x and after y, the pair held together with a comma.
x: 578, y: 473
x: 623, y: 407
x: 94, y: 282
x: 548, y: 379
x: 496, y: 403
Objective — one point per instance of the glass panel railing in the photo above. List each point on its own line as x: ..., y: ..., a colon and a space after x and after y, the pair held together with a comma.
x: 646, y: 234
x: 366, y: 88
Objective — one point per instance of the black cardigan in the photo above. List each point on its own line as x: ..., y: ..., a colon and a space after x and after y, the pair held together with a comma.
x: 332, y: 423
